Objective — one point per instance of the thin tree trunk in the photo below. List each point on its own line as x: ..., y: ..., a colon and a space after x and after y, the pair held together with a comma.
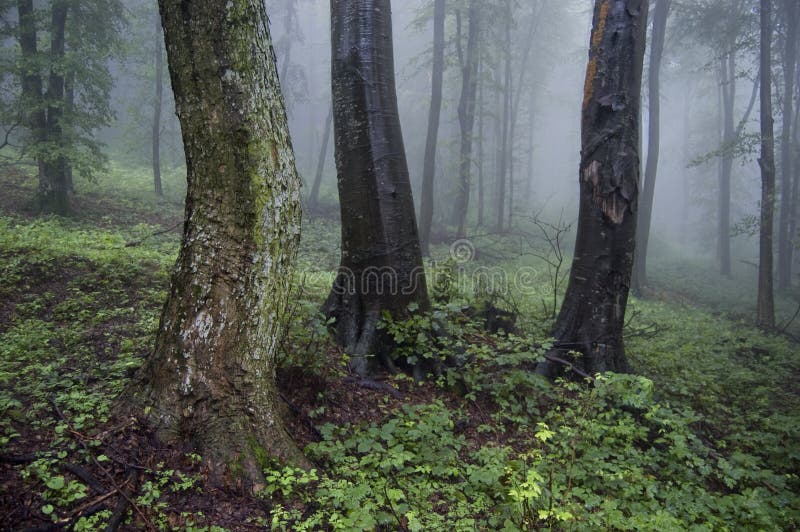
x: 729, y: 139
x: 54, y: 194
x: 516, y: 98
x: 766, y: 307
x: 785, y: 246
x: 504, y: 150
x: 481, y: 119
x: 157, y: 103
x: 69, y: 109
x: 210, y: 381
x: 593, y: 312
x: 313, y: 198
x: 466, y: 116
x: 660, y: 17
x: 429, y: 167
x: 32, y: 87
x: 381, y: 267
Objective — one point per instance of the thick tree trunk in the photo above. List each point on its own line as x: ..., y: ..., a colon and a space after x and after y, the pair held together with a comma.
x: 313, y: 198
x: 766, y: 307
x: 593, y: 312
x: 466, y: 116
x: 157, y: 103
x: 785, y: 246
x: 381, y: 266
x: 31, y: 81
x: 210, y: 382
x: 54, y: 188
x: 429, y: 166
x: 653, y: 143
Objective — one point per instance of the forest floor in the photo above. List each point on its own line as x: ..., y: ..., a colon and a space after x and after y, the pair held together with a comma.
x: 705, y: 435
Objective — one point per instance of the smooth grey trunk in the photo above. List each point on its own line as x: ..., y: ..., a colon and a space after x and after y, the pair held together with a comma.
x: 481, y: 119
x: 505, y: 127
x: 593, y: 312
x: 209, y: 383
x: 381, y: 268
x: 785, y: 244
x: 429, y: 165
x: 765, y: 309
x: 69, y: 108
x: 466, y: 113
x: 728, y: 66
x: 313, y: 197
x: 157, y: 104
x: 660, y: 16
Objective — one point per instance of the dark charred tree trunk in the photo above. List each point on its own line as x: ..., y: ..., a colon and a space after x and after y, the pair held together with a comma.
x: 653, y: 143
x: 313, y: 198
x: 381, y: 266
x: 210, y: 382
x: 31, y: 81
x: 728, y: 66
x: 157, y: 103
x: 466, y: 114
x: 429, y: 166
x: 785, y: 246
x: 593, y: 313
x: 54, y: 189
x: 765, y: 309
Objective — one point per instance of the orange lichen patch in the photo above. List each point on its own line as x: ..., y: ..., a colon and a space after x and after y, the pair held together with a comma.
x: 613, y: 205
x: 591, y: 72
x: 597, y: 39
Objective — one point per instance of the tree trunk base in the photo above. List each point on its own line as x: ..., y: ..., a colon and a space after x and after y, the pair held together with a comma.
x: 234, y: 440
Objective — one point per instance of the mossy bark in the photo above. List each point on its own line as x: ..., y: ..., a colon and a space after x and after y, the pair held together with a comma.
x: 210, y: 382
x: 381, y: 266
x: 593, y: 313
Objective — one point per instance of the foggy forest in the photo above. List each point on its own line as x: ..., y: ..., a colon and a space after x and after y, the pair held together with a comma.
x: 412, y: 265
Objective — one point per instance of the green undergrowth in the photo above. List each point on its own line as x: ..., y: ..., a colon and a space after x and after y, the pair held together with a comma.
x: 701, y: 441
x: 705, y: 438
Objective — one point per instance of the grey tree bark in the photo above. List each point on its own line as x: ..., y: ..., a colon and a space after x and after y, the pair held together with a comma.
x: 210, y: 381
x: 54, y: 189
x: 157, y: 104
x: 765, y: 309
x: 381, y: 266
x: 505, y: 152
x: 785, y: 246
x: 313, y: 197
x: 466, y: 113
x: 429, y: 165
x: 593, y: 312
x: 660, y: 16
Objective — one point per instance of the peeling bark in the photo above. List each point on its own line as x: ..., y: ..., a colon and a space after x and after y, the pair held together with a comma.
x: 210, y: 382
x: 592, y: 316
x: 381, y: 265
